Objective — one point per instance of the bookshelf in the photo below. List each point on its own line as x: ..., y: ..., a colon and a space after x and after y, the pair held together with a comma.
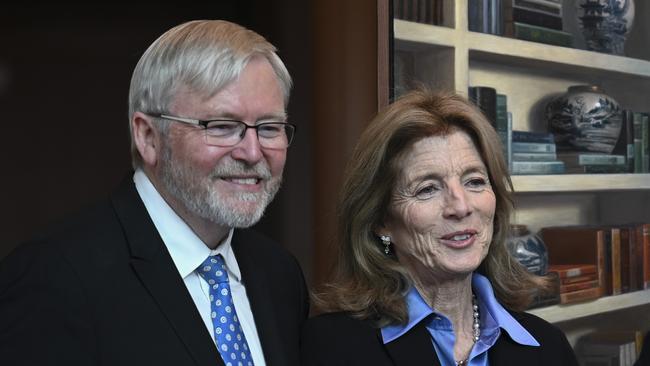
x: 450, y: 57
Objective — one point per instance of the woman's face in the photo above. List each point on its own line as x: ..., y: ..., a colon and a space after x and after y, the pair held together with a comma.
x: 442, y: 208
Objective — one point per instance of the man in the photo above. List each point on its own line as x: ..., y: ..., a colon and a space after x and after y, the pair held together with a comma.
x: 157, y: 275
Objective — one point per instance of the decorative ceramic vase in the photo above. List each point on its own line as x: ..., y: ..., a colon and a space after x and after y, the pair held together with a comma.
x: 584, y: 119
x: 528, y: 249
x: 606, y: 23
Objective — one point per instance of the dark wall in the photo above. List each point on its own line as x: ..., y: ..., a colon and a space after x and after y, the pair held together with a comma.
x: 64, y: 78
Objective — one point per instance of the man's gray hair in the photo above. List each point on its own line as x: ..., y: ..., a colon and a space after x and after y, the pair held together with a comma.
x: 202, y: 55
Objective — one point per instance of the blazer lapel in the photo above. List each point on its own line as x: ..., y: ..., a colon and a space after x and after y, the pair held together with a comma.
x: 153, y: 265
x: 413, y: 348
x: 258, y: 290
x: 508, y: 352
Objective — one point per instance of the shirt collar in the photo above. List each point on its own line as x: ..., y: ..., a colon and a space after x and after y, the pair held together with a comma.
x: 418, y: 309
x: 187, y: 250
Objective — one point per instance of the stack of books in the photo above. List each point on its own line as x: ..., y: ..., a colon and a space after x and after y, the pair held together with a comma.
x: 609, y: 347
x: 621, y: 253
x: 536, y: 21
x: 421, y: 11
x: 534, y: 153
x: 485, y: 16
x: 578, y: 282
x: 495, y: 107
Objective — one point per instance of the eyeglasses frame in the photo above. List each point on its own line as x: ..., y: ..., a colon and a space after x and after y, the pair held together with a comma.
x: 204, y: 123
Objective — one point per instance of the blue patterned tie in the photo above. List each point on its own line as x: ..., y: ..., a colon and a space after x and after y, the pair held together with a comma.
x: 228, y: 333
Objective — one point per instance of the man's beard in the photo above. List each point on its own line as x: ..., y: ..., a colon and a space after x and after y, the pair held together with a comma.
x: 200, y: 196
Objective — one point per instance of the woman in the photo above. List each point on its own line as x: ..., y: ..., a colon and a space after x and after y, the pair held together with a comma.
x: 423, y: 276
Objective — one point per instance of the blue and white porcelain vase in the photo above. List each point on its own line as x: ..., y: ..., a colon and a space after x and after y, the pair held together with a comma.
x: 528, y: 249
x: 606, y: 24
x: 584, y: 118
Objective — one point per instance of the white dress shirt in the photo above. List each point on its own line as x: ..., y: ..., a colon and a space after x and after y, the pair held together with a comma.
x: 188, y: 251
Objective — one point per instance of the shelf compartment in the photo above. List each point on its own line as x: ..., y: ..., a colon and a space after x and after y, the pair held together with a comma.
x: 579, y: 182
x: 561, y: 313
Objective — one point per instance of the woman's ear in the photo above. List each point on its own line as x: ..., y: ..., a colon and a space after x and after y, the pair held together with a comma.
x: 145, y: 137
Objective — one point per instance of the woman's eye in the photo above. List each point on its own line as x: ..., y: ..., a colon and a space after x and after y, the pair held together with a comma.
x: 477, y: 182
x: 425, y: 192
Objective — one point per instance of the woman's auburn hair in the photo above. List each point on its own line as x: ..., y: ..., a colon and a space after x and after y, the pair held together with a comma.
x: 372, y: 285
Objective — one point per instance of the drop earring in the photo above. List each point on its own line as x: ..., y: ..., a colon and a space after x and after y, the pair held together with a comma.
x: 385, y: 239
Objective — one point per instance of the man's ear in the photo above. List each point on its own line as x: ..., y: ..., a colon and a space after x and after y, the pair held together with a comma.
x: 145, y: 137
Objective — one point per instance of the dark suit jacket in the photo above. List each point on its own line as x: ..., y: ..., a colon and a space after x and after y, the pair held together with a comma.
x: 103, y: 290
x: 338, y: 339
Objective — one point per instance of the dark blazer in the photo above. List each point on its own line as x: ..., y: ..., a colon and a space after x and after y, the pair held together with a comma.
x: 338, y: 339
x: 103, y: 290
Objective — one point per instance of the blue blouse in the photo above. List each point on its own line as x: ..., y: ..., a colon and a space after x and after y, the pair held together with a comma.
x: 493, y: 320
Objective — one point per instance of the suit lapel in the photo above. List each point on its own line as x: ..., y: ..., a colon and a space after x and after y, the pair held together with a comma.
x: 508, y: 352
x: 258, y: 291
x: 155, y: 268
x: 413, y: 348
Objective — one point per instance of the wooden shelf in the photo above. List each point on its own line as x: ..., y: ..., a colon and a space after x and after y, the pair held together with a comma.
x: 561, y: 313
x: 580, y: 182
x: 497, y: 49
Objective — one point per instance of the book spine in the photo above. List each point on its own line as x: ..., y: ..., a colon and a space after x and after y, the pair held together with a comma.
x: 638, y: 142
x: 585, y: 278
x: 600, y: 159
x: 579, y: 296
x: 625, y: 144
x: 550, y: 7
x: 572, y: 271
x: 486, y: 99
x: 534, y: 156
x: 626, y: 275
x: 645, y: 234
x: 616, y: 261
x: 605, y: 169
x: 601, y: 255
x: 527, y: 136
x: 537, y: 167
x: 645, y: 144
x: 578, y: 286
x: 533, y: 33
x: 533, y: 17
x: 532, y: 147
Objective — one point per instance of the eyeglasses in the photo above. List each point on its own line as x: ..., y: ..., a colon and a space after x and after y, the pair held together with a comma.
x: 226, y: 132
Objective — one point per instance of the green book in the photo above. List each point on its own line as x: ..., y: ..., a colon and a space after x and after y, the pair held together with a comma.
x: 645, y: 144
x: 638, y: 142
x: 534, y: 33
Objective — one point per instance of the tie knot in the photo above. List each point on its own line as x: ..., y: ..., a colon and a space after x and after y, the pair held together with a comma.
x: 213, y: 270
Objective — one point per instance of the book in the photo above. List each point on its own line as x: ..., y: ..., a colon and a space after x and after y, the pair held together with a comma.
x: 572, y: 159
x: 578, y: 279
x: 551, y: 156
x: 643, y: 246
x: 579, y: 286
x: 600, y: 169
x: 620, y: 345
x: 577, y: 244
x: 645, y: 144
x: 529, y: 136
x: 572, y: 270
x: 485, y: 16
x: 551, y: 7
x: 533, y: 147
x: 615, y: 256
x: 531, y: 16
x: 580, y: 295
x: 637, y: 125
x: 533, y: 33
x: 537, y: 167
x: 625, y: 143
x: 485, y: 98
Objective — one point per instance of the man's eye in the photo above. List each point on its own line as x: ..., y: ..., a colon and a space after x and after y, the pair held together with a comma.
x: 270, y: 129
x: 222, y: 128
